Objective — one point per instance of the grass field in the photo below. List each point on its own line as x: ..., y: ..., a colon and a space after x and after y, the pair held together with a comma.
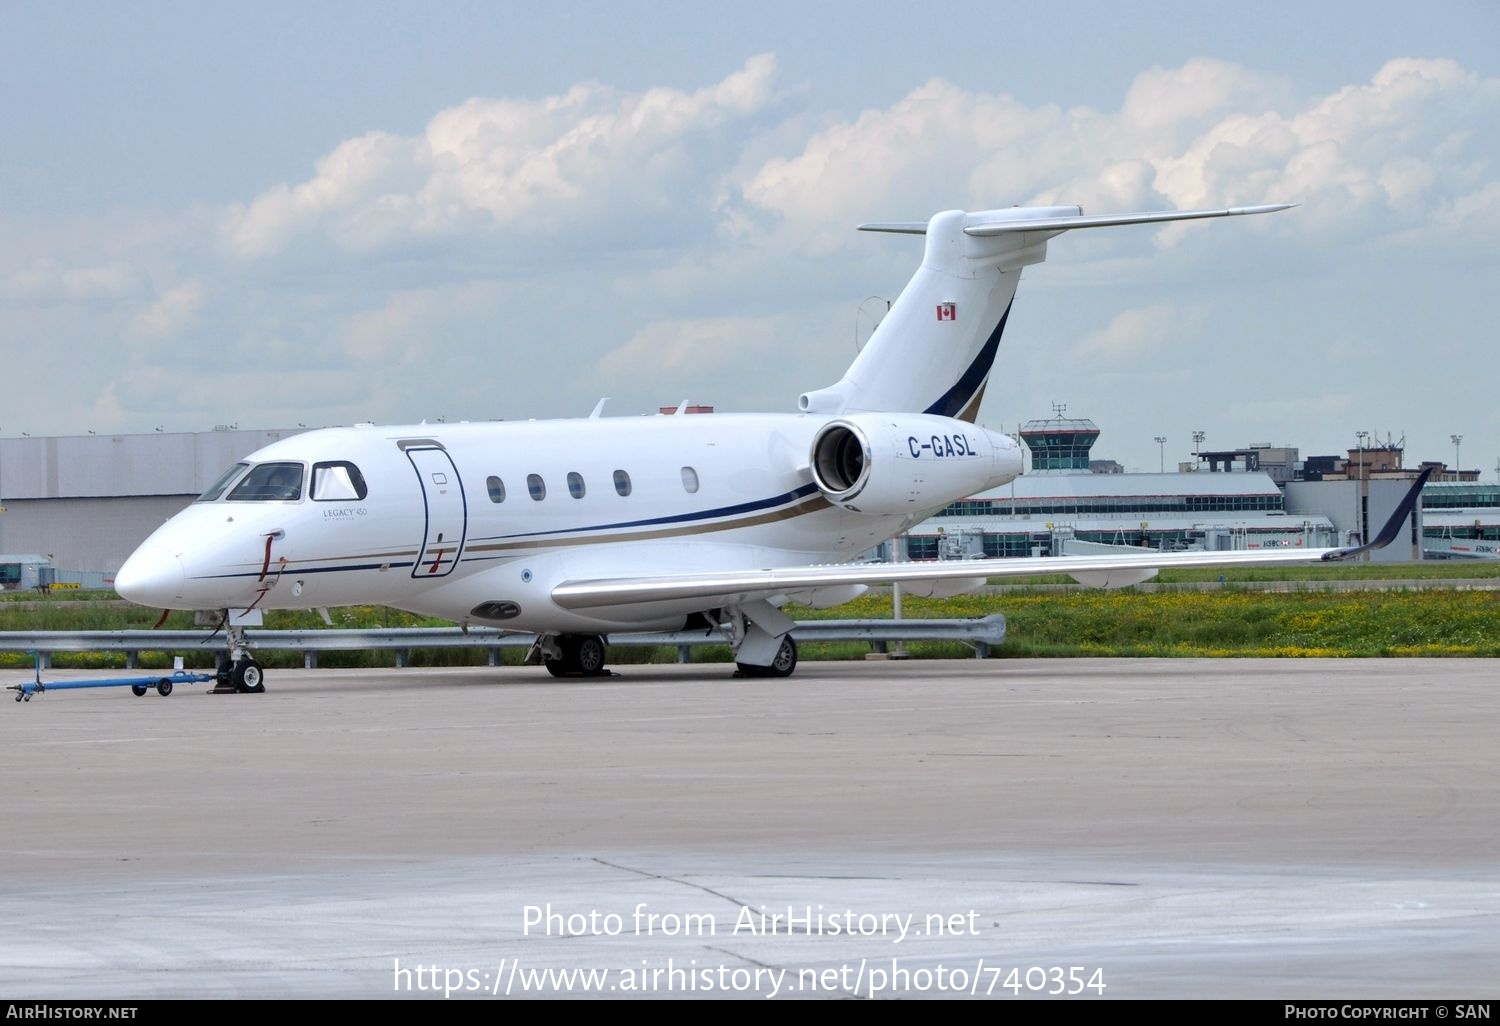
x: 1436, y: 622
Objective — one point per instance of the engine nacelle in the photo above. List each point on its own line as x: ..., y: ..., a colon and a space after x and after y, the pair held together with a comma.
x: 885, y: 463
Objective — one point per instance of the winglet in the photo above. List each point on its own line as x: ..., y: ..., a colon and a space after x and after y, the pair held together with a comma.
x: 1392, y: 526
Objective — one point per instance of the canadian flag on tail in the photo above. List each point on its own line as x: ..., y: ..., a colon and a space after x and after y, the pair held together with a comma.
x: 947, y: 311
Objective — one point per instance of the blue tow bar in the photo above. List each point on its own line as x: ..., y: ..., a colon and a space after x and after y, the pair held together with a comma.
x: 163, y: 683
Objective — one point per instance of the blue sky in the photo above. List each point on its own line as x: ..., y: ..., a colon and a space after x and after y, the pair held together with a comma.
x: 272, y: 214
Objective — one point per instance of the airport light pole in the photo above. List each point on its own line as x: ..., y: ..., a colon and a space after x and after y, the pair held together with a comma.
x: 1198, y: 437
x: 1359, y: 506
x: 1457, y: 462
x: 1161, y: 453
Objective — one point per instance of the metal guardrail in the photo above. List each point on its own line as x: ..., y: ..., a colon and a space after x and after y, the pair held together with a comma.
x: 981, y: 634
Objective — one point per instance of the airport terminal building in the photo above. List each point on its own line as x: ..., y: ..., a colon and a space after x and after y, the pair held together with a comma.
x: 1259, y: 497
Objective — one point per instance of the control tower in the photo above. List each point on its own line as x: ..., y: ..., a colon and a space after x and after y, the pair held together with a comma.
x: 1060, y: 445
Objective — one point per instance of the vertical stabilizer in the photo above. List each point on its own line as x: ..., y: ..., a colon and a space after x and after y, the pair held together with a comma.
x: 936, y: 349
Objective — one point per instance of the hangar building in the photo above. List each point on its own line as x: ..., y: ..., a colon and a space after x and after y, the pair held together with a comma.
x: 87, y: 501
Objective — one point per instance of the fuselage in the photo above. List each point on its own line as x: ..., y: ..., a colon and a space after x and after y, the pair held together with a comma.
x: 478, y: 522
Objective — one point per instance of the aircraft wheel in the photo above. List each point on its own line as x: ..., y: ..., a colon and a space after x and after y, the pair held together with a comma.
x: 247, y: 677
x: 582, y: 654
x: 164, y: 688
x: 781, y: 666
x: 786, y: 658
x: 139, y: 690
x: 588, y: 655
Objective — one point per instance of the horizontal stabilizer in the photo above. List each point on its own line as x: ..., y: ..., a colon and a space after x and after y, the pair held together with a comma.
x: 1001, y: 222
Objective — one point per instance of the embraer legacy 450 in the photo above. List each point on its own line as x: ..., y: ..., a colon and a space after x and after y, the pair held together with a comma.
x: 572, y: 529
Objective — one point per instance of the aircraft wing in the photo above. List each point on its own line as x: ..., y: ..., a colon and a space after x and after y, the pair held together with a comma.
x: 1094, y: 570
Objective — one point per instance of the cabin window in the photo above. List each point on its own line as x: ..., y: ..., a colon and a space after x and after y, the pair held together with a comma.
x: 496, y: 488
x: 536, y: 486
x: 334, y: 481
x: 575, y: 484
x: 217, y: 488
x: 622, y: 482
x: 269, y: 482
x: 689, y: 480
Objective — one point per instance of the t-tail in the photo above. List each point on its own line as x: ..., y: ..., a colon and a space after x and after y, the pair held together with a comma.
x: 936, y: 349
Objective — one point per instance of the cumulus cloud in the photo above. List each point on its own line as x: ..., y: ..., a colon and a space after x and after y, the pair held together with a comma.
x: 1376, y: 146
x: 488, y: 164
x: 48, y: 280
x: 740, y: 362
x: 1140, y: 331
x: 172, y: 311
x: 409, y: 322
x: 153, y: 394
x: 1205, y: 134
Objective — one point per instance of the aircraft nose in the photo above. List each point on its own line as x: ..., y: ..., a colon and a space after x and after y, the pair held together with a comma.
x: 152, y: 576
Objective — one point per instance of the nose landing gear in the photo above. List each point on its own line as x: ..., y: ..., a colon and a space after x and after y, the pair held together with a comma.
x: 242, y: 676
x: 237, y: 671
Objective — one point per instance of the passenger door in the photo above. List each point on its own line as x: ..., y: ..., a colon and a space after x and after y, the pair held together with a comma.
x: 447, y: 509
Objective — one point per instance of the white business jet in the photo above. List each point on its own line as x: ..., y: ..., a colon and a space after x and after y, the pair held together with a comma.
x: 572, y: 529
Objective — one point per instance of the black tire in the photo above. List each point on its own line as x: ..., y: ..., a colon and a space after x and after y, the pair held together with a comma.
x: 589, y: 655
x: 139, y: 690
x: 786, y: 658
x: 223, y: 669
x: 164, y: 688
x: 248, y: 678
x: 781, y: 666
x: 582, y: 654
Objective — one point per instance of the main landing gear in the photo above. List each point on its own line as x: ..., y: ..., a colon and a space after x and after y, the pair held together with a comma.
x: 782, y: 664
x: 570, y: 655
x: 761, y: 635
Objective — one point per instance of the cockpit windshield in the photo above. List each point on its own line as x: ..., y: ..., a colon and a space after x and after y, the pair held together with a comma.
x: 217, y: 488
x: 269, y: 482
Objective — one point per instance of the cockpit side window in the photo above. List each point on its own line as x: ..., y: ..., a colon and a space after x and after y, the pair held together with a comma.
x: 269, y: 482
x: 334, y: 481
x: 217, y: 488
